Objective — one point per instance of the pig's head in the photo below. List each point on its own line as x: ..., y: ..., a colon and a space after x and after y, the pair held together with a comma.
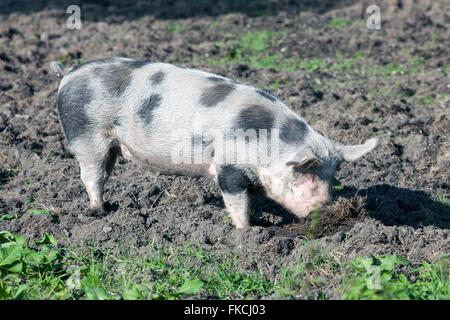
x: 302, y: 180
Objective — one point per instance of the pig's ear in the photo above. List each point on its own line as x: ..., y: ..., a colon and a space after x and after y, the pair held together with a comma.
x: 351, y: 153
x: 307, y: 162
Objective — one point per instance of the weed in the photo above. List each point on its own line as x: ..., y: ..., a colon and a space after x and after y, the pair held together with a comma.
x: 442, y: 198
x: 416, y: 60
x: 427, y: 100
x: 315, y: 65
x: 338, y: 23
x: 176, y: 28
x: 374, y: 278
x: 252, y: 49
x: 24, y: 270
x: 336, y: 185
x: 275, y: 85
x: 47, y: 271
x: 36, y: 211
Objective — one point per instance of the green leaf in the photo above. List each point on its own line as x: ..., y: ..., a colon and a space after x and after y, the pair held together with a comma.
x: 5, y: 237
x: 285, y: 291
x: 388, y: 263
x: 49, y: 253
x: 134, y: 293
x: 19, y: 239
x: 6, y: 217
x: 34, y: 258
x: 11, y: 254
x: 36, y: 211
x: 93, y: 293
x: 20, y: 293
x: 191, y: 286
x: 30, y: 200
x: 337, y: 186
x: 47, y: 239
x: 15, y: 267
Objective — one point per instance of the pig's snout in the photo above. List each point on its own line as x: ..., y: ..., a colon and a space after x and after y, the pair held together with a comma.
x: 308, y: 202
x: 317, y: 205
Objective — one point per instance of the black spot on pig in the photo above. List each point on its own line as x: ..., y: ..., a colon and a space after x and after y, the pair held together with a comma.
x: 157, y: 78
x: 232, y: 179
x: 72, y: 102
x: 136, y: 64
x: 254, y: 117
x: 266, y: 95
x: 293, y: 131
x: 116, y: 78
x: 212, y: 96
x: 148, y: 106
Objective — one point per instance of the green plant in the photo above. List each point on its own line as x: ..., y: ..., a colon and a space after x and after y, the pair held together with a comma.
x: 66, y: 59
x: 312, y: 234
x: 442, y: 198
x: 36, y: 211
x: 314, y: 65
x: 176, y: 28
x: 7, y: 217
x: 427, y: 100
x: 336, y: 185
x: 416, y: 60
x: 374, y: 278
x: 338, y: 23
x: 19, y: 261
x: 275, y: 85
x: 44, y: 271
x: 252, y: 48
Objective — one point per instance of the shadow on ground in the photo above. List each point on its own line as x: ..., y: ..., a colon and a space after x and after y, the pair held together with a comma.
x: 172, y: 9
x: 392, y: 206
x: 399, y: 206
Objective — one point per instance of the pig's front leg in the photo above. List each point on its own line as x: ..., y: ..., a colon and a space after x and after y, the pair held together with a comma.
x: 234, y: 182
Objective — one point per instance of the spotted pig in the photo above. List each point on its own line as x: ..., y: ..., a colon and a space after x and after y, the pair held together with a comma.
x: 180, y: 121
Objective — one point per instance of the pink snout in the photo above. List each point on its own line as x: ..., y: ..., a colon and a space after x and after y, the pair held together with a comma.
x: 308, y: 198
x: 311, y: 206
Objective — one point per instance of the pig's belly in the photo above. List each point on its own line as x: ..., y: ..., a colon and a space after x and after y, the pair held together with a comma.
x: 161, y: 162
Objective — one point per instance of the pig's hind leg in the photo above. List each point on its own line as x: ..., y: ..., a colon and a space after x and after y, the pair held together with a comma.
x: 234, y: 183
x: 96, y: 158
x: 111, y: 157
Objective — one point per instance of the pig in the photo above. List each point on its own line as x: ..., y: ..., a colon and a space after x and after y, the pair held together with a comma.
x: 158, y: 114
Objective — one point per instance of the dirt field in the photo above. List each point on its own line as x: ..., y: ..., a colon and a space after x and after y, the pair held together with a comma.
x: 347, y: 81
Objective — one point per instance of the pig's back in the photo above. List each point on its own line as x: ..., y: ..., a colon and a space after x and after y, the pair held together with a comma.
x: 152, y: 107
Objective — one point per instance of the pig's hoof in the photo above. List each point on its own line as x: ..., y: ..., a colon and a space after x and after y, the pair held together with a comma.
x: 95, y: 212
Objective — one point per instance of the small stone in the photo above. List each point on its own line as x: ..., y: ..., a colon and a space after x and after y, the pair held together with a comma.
x: 44, y: 37
x: 66, y: 233
x: 107, y: 229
